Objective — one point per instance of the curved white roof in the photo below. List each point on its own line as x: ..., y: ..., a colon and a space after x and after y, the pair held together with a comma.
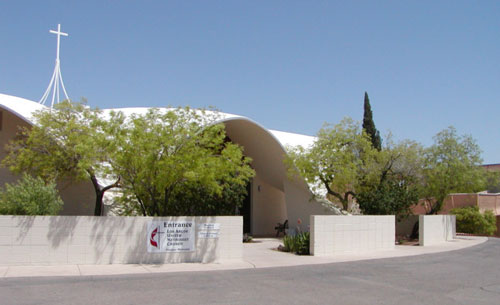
x: 269, y: 160
x: 24, y: 109
x: 293, y: 139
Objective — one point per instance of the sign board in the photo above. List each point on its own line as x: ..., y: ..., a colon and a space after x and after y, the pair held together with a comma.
x: 208, y: 230
x: 170, y: 236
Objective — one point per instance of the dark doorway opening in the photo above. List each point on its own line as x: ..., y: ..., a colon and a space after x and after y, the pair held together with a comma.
x: 246, y: 210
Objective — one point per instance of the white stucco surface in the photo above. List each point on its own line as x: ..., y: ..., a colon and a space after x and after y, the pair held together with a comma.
x: 292, y: 139
x: 20, y: 106
x: 268, y: 208
x: 279, y: 199
x: 62, y: 240
x: 332, y: 234
x: 435, y: 229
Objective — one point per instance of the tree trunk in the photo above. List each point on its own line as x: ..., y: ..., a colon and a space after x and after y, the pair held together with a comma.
x: 141, y: 204
x: 99, y: 192
x: 345, y: 204
x: 436, y: 207
x: 165, y: 202
x: 415, y: 231
x: 98, y: 202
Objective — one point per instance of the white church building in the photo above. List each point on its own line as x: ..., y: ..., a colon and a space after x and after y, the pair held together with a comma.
x: 273, y: 197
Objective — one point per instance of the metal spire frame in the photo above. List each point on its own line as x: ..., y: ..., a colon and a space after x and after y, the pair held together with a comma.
x: 56, y: 76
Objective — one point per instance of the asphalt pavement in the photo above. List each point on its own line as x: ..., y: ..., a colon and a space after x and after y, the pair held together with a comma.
x: 468, y: 275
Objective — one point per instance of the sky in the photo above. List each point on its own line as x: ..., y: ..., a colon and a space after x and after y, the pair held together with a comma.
x: 288, y: 65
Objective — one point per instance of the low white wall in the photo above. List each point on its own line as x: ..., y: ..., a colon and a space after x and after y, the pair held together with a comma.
x: 332, y: 234
x: 54, y: 240
x: 434, y: 229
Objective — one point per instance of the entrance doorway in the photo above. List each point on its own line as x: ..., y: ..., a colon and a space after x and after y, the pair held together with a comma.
x: 246, y: 210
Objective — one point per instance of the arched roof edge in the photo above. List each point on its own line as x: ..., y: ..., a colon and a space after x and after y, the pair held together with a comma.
x: 22, y: 117
x: 241, y: 118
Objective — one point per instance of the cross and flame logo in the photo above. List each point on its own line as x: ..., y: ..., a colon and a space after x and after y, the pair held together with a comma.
x: 152, y: 240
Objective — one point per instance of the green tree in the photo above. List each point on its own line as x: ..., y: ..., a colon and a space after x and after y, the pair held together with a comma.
x: 390, y: 197
x: 195, y: 199
x: 30, y: 196
x: 452, y: 165
x: 177, y: 162
x: 369, y: 125
x: 397, y: 182
x: 338, y: 161
x: 493, y: 182
x: 66, y: 142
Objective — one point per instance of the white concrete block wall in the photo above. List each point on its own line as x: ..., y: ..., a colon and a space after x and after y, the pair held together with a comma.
x: 335, y: 234
x: 434, y: 229
x: 54, y: 240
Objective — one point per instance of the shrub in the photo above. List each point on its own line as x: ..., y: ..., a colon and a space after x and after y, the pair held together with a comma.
x: 30, y: 196
x: 287, y: 243
x: 298, y: 244
x: 302, y: 243
x: 470, y: 220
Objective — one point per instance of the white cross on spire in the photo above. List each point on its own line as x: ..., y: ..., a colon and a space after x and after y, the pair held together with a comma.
x: 56, y: 76
x: 58, y: 33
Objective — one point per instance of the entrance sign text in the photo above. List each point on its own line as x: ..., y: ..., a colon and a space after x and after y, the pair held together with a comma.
x: 208, y: 230
x: 170, y: 236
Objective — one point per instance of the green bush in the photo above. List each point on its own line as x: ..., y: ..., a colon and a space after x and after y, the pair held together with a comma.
x: 298, y: 244
x: 30, y: 196
x: 287, y: 243
x: 470, y: 220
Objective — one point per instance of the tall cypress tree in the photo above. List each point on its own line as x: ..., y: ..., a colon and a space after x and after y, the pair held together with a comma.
x: 369, y: 125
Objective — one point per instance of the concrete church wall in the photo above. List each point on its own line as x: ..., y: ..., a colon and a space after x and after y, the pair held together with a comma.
x: 59, y: 240
x: 9, y: 127
x: 335, y: 234
x: 278, y: 199
x: 268, y: 207
x: 78, y: 197
x: 435, y: 229
x: 300, y: 206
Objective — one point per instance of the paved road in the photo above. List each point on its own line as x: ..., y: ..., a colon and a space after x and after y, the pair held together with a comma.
x: 468, y: 276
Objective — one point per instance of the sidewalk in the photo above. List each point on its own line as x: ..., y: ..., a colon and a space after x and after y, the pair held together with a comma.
x: 259, y: 254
